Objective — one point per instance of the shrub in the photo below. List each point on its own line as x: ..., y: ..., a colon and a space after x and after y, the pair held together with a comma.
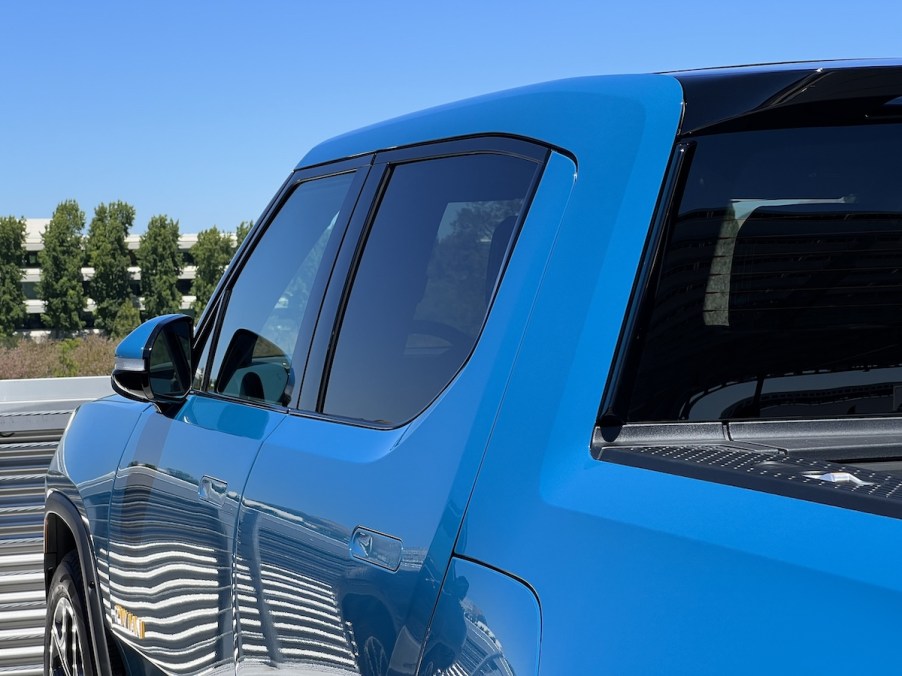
x: 85, y: 356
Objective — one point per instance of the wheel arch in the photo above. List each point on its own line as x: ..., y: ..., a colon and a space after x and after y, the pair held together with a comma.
x: 65, y: 531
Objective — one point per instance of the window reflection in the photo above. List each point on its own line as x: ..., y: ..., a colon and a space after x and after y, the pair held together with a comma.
x: 272, y: 303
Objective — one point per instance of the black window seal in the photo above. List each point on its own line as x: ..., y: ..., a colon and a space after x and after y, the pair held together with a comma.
x: 435, y: 148
x: 611, y: 413
x: 475, y: 145
x: 319, y: 354
x: 210, y: 331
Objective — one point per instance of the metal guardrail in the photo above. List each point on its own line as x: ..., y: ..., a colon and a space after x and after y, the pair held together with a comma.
x: 33, y: 415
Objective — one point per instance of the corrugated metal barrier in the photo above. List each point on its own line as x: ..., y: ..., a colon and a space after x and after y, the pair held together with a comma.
x: 33, y: 415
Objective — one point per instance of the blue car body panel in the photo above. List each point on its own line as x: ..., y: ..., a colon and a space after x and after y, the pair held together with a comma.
x: 484, y: 622
x: 580, y: 115
x: 613, y: 551
x: 172, y: 517
x: 84, y: 466
x: 321, y: 479
x: 486, y: 531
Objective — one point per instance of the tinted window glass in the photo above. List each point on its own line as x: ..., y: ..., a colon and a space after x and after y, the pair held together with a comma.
x: 428, y: 271
x: 281, y: 282
x: 781, y: 283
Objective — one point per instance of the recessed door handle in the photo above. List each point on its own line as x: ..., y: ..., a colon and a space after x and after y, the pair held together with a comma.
x: 213, y: 490
x: 376, y: 548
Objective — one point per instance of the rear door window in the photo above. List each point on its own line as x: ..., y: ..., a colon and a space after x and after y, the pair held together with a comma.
x: 431, y: 261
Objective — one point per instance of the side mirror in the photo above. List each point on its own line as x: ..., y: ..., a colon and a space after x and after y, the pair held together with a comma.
x: 153, y: 362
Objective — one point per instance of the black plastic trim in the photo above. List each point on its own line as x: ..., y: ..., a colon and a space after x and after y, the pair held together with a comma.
x: 211, y: 332
x: 319, y: 357
x: 59, y: 505
x: 629, y: 343
x: 768, y: 471
x: 416, y: 149
x: 718, y: 96
x: 804, y: 94
x: 505, y: 145
x: 322, y: 280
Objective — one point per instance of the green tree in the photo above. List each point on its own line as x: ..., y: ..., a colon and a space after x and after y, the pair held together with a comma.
x: 108, y: 255
x: 61, y: 259
x: 127, y: 317
x: 241, y: 232
x: 158, y: 256
x: 212, y: 253
x: 456, y: 292
x: 12, y: 255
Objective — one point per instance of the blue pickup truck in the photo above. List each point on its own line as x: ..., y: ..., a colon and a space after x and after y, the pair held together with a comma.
x: 596, y: 376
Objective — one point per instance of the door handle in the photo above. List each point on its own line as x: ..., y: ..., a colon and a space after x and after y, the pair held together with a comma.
x: 213, y: 490
x: 376, y: 548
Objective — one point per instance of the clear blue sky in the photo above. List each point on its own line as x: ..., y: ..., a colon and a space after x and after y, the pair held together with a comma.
x: 200, y: 109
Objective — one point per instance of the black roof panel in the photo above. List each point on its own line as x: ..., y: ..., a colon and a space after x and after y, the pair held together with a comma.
x: 716, y: 96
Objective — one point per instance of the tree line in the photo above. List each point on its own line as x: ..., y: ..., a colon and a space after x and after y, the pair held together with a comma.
x: 67, y: 248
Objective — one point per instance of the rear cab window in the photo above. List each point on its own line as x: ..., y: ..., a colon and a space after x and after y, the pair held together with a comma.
x: 766, y: 347
x: 779, y: 292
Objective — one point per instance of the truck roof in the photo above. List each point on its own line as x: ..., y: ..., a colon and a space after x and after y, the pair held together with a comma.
x: 562, y: 113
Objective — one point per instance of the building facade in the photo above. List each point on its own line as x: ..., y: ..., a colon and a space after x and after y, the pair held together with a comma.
x: 31, y: 274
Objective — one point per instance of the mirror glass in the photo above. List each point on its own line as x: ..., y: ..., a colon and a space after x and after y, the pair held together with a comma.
x: 170, y: 361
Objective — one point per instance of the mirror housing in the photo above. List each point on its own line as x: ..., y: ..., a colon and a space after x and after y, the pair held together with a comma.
x: 153, y: 362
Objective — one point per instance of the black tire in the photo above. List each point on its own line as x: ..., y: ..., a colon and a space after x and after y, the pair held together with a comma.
x: 375, y: 641
x: 67, y: 639
x: 373, y: 657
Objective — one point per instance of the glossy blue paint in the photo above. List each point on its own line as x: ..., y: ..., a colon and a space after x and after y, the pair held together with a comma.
x: 484, y: 623
x: 85, y: 462
x: 291, y: 490
x: 643, y: 572
x: 570, y: 114
x: 136, y: 344
x: 172, y: 517
x: 428, y: 467
x: 292, y: 542
x: 316, y: 481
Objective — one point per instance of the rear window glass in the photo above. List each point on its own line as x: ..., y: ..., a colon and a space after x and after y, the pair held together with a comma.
x: 780, y: 288
x: 430, y: 265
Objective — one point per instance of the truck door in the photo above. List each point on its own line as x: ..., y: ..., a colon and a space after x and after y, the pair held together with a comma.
x: 176, y: 495
x: 354, y: 503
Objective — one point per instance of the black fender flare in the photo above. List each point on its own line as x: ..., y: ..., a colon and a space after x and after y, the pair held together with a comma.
x: 62, y: 507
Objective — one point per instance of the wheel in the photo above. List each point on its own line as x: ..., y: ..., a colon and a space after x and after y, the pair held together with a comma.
x: 67, y: 642
x: 373, y: 638
x: 374, y: 658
